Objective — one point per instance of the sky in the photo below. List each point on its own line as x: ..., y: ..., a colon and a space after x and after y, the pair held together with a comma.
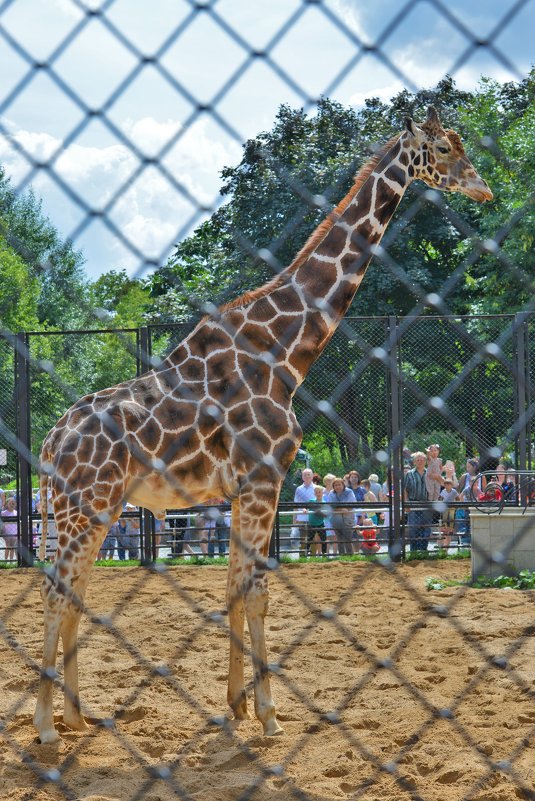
x: 93, y: 93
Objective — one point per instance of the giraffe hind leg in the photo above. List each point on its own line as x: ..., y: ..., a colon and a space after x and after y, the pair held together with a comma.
x: 63, y: 592
x: 256, y: 603
x: 72, y: 716
x: 77, y: 567
x: 53, y: 612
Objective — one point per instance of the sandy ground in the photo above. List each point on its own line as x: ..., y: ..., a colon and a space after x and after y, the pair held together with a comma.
x: 356, y: 726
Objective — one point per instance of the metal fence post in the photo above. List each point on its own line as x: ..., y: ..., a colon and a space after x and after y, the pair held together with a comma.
x: 529, y: 393
x: 274, y: 542
x: 522, y: 445
x: 144, y: 350
x: 148, y: 539
x: 396, y: 438
x: 24, y: 473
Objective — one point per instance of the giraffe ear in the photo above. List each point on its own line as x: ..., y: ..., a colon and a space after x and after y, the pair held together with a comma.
x: 412, y: 128
x: 410, y: 125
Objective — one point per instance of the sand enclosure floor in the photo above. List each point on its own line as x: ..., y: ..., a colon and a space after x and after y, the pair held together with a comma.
x: 361, y: 692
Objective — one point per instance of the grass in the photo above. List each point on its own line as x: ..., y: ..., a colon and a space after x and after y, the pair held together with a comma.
x: 442, y: 554
x: 525, y: 580
x: 198, y: 560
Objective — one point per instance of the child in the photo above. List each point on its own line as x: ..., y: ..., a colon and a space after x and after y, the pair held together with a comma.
x: 433, y: 477
x: 449, y: 472
x: 447, y: 496
x: 316, y: 540
x: 369, y: 544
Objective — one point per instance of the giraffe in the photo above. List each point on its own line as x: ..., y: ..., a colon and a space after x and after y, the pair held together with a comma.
x: 215, y: 419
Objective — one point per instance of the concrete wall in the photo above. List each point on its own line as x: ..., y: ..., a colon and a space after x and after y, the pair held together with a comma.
x: 510, y: 534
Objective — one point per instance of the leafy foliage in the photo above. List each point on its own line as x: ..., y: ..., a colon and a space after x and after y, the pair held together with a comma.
x: 524, y: 580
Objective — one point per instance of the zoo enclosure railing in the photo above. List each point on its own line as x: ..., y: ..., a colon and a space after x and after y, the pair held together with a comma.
x: 381, y: 386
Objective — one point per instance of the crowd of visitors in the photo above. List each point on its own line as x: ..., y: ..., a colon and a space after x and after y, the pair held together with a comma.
x: 332, y: 515
x: 335, y: 526
x: 429, y: 481
x: 432, y: 494
x: 202, y: 532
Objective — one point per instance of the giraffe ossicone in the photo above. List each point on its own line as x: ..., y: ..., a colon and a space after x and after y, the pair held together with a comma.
x: 215, y: 419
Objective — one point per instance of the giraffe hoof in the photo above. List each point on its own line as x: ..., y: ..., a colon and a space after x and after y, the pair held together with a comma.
x: 272, y: 728
x: 49, y: 736
x: 75, y: 722
x: 239, y: 708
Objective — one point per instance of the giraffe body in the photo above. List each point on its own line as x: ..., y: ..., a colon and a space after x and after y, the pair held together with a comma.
x: 216, y: 419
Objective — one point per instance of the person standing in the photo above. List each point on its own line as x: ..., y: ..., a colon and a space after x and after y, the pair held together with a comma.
x: 342, y: 519
x: 433, y: 476
x: 355, y: 485
x: 330, y: 534
x: 107, y: 549
x: 10, y: 529
x: 303, y: 494
x: 448, y: 496
x: 216, y: 526
x: 415, y: 492
x: 375, y: 486
x: 128, y: 535
x: 471, y: 487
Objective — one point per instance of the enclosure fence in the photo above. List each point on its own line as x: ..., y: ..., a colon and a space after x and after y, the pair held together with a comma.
x: 379, y: 408
x: 383, y: 385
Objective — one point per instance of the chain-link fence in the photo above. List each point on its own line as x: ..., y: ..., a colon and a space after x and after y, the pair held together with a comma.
x: 376, y: 404
x: 384, y: 690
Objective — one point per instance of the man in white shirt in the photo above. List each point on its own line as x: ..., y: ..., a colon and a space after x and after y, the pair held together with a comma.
x: 303, y: 494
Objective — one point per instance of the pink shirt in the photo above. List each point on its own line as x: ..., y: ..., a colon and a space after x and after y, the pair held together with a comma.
x: 10, y: 529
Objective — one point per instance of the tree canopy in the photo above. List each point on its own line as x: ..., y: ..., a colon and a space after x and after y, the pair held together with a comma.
x: 272, y: 202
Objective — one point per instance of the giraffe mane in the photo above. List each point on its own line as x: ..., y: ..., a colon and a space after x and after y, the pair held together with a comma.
x: 317, y: 235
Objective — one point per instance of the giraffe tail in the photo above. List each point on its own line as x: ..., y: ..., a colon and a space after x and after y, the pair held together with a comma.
x: 43, y: 495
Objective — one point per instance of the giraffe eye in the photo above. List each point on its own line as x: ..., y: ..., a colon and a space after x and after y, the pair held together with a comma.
x: 442, y: 149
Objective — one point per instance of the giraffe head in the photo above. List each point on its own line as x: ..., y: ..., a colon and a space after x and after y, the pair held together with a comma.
x: 437, y: 157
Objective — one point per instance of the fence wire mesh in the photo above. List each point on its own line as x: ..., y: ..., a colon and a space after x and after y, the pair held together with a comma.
x: 386, y: 689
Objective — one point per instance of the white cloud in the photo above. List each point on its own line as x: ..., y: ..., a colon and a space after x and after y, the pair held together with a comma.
x: 38, y: 146
x: 149, y: 211
x: 346, y: 11
x: 384, y: 93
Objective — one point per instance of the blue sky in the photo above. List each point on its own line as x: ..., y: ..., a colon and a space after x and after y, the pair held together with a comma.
x: 205, y: 58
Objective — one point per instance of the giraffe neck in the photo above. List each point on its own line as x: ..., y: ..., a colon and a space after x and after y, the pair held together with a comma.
x: 319, y: 287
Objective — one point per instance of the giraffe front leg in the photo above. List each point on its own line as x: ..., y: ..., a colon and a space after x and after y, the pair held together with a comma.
x: 236, y: 697
x: 256, y: 604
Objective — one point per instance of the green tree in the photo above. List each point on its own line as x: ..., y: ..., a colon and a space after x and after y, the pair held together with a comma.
x: 62, y: 299
x: 123, y: 300
x: 502, y: 116
x: 19, y: 292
